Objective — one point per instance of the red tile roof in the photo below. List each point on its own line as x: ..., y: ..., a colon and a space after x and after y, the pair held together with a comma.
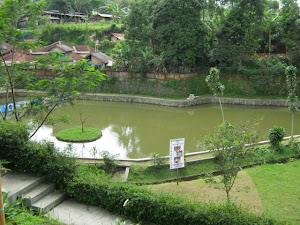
x: 60, y: 44
x: 76, y: 56
x: 84, y: 48
x: 18, y: 57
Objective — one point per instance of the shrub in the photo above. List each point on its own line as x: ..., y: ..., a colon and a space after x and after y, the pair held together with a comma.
x: 276, y: 135
x: 42, y: 158
x: 109, y: 162
x: 92, y: 187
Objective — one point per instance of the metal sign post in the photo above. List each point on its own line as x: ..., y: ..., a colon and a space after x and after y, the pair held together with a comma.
x: 177, y: 154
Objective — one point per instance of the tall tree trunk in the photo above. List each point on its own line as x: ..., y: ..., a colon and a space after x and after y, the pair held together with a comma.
x: 292, y: 132
x: 44, y: 120
x: 270, y: 42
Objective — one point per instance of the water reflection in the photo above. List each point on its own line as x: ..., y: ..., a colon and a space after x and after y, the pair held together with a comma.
x: 137, y: 130
x: 110, y: 141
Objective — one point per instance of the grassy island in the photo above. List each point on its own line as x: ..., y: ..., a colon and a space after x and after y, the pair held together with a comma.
x: 76, y: 135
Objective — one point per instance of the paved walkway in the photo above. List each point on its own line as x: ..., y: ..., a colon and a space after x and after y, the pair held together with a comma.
x: 42, y: 196
x: 76, y: 213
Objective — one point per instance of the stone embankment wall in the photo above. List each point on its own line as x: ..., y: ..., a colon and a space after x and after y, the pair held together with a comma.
x: 183, y: 103
x: 169, y: 102
x: 157, y: 76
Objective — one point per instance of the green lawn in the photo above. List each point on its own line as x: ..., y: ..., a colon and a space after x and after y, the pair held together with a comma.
x: 278, y: 186
x: 153, y: 174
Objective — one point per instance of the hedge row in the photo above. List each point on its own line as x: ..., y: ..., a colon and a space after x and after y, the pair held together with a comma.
x: 42, y: 159
x: 157, y: 208
x: 93, y: 186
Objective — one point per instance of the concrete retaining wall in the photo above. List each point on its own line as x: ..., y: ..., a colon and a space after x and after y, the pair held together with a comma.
x: 169, y: 102
x: 183, y: 103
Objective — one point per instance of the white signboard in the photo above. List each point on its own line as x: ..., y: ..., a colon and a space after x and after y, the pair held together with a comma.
x: 177, y: 153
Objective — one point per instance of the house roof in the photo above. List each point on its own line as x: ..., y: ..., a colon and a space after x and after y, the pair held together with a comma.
x: 5, y: 47
x: 18, y: 57
x: 102, y: 57
x: 84, y: 48
x: 76, y: 56
x: 120, y: 36
x: 59, y: 44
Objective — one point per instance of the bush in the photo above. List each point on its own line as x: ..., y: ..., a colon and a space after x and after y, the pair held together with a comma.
x: 42, y: 159
x: 94, y: 187
x: 276, y: 135
x: 109, y: 162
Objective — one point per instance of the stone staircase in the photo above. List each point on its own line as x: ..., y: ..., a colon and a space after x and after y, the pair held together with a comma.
x: 38, y: 195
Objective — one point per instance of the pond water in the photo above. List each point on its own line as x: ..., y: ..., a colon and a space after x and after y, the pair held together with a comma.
x: 136, y: 130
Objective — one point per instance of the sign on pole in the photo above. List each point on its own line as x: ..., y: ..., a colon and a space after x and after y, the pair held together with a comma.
x: 177, y: 153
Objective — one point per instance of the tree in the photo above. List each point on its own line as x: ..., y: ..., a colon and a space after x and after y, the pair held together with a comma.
x: 289, y: 27
x: 291, y: 80
x: 11, y: 11
x: 270, y: 22
x: 178, y: 32
x: 64, y: 6
x: 276, y: 135
x: 239, y: 32
x: 214, y: 84
x: 69, y: 81
x: 233, y: 148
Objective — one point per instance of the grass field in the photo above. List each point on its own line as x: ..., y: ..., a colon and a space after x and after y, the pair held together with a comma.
x: 273, y: 189
x: 278, y: 186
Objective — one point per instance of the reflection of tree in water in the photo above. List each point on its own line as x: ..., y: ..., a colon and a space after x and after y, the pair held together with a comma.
x: 128, y: 139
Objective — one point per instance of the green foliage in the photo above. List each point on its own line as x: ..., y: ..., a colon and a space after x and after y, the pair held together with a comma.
x: 38, y: 158
x: 276, y: 135
x: 263, y: 152
x: 110, y: 165
x: 94, y: 151
x: 157, y: 159
x: 78, y: 34
x: 233, y: 147
x: 30, y: 218
x: 12, y: 209
x: 213, y: 82
x: 143, y: 205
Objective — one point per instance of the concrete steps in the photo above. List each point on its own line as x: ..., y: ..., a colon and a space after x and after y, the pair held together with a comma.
x: 17, y: 184
x: 48, y: 202
x: 38, y: 195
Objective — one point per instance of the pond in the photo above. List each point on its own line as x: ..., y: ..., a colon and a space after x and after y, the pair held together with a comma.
x: 133, y: 130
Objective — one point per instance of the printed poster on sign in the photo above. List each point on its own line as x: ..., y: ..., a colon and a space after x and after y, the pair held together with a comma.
x: 177, y: 153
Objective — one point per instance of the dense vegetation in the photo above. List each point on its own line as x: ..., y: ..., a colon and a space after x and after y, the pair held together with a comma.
x: 189, y: 35
x: 93, y: 186
x: 222, y: 33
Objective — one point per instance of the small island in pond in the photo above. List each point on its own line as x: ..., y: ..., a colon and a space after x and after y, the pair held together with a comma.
x: 79, y: 135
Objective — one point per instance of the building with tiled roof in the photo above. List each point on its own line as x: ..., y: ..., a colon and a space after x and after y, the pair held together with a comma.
x: 84, y: 50
x: 117, y: 36
x: 76, y: 53
x: 5, y: 48
x: 17, y: 57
